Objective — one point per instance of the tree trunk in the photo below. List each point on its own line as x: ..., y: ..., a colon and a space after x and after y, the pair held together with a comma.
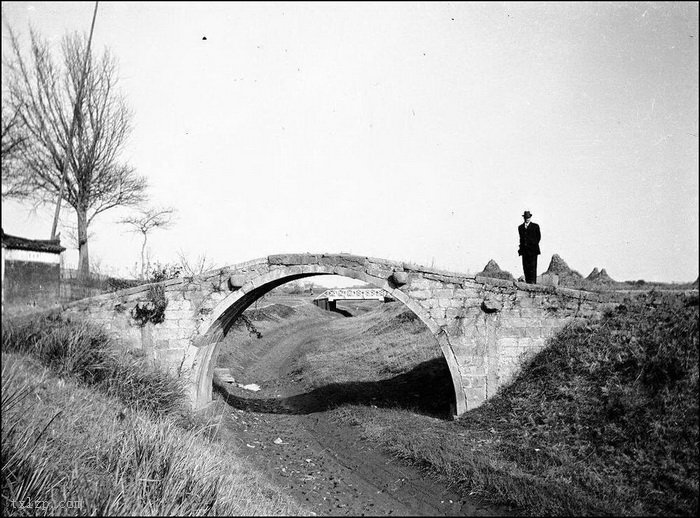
x: 143, y: 257
x: 83, y: 255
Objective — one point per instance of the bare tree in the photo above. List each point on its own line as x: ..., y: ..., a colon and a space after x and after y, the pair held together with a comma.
x: 44, y: 95
x: 146, y: 221
x: 14, y: 141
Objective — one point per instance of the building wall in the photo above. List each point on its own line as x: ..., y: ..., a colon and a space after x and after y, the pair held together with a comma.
x: 30, y: 279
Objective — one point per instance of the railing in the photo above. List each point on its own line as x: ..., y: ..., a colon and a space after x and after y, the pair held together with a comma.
x: 354, y: 294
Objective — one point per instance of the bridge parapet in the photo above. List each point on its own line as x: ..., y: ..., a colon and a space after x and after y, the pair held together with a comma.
x: 486, y: 328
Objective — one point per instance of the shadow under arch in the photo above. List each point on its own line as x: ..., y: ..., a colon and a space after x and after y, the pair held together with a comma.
x: 231, y: 307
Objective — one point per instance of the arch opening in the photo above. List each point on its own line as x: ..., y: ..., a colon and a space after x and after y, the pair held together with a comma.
x: 230, y: 309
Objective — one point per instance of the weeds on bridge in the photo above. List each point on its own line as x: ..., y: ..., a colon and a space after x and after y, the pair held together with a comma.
x: 152, y: 310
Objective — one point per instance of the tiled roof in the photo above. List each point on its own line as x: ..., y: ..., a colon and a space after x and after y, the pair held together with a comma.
x: 52, y: 246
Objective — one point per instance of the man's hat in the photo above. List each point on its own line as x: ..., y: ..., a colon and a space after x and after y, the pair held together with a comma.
x: 527, y: 214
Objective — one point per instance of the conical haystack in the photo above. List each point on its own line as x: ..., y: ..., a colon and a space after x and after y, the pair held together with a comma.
x: 600, y: 276
x: 558, y: 266
x: 494, y: 271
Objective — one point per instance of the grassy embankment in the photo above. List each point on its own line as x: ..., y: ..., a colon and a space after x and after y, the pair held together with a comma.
x: 604, y: 421
x: 88, y: 431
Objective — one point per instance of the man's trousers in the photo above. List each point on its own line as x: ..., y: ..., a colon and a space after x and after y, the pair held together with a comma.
x: 530, y: 268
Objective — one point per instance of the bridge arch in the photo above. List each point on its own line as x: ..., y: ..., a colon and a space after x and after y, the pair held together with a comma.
x: 234, y: 304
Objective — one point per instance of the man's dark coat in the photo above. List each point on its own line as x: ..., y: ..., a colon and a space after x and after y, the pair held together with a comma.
x: 529, y: 239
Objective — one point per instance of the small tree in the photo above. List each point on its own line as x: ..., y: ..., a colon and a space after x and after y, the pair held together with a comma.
x: 43, y: 92
x: 146, y: 221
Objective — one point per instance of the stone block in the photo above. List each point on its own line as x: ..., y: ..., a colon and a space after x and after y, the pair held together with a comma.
x: 236, y: 282
x: 385, y: 263
x: 525, y: 300
x: 176, y: 315
x: 399, y: 278
x: 420, y: 294
x: 502, y: 283
x: 533, y: 332
x: 290, y: 259
x: 465, y: 293
x: 505, y: 343
x: 179, y: 305
x: 454, y: 313
x: 513, y: 321
x: 491, y: 304
x: 437, y: 312
x: 345, y: 260
x: 517, y: 332
x: 186, y: 323
x: 420, y: 283
x: 167, y: 324
x: 478, y: 381
x: 379, y: 273
x: 428, y: 303
x: 475, y: 368
x: 475, y: 396
x: 170, y: 333
x: 529, y: 312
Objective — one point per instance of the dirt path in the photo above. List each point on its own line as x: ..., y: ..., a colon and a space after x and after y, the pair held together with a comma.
x: 325, y: 465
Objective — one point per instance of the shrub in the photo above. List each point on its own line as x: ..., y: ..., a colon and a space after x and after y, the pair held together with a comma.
x: 153, y: 310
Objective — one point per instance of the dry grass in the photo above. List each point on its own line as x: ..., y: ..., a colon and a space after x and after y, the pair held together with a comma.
x: 378, y: 344
x: 119, y: 450
x: 77, y: 349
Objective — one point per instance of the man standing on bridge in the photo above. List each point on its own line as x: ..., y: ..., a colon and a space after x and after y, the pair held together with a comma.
x: 529, y: 247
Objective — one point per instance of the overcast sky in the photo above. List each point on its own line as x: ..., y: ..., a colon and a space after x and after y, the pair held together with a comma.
x: 407, y: 131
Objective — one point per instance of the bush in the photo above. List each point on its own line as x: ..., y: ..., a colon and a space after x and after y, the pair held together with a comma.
x: 152, y: 310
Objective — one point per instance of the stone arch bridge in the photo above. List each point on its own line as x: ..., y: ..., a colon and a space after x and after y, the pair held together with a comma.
x: 486, y: 328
